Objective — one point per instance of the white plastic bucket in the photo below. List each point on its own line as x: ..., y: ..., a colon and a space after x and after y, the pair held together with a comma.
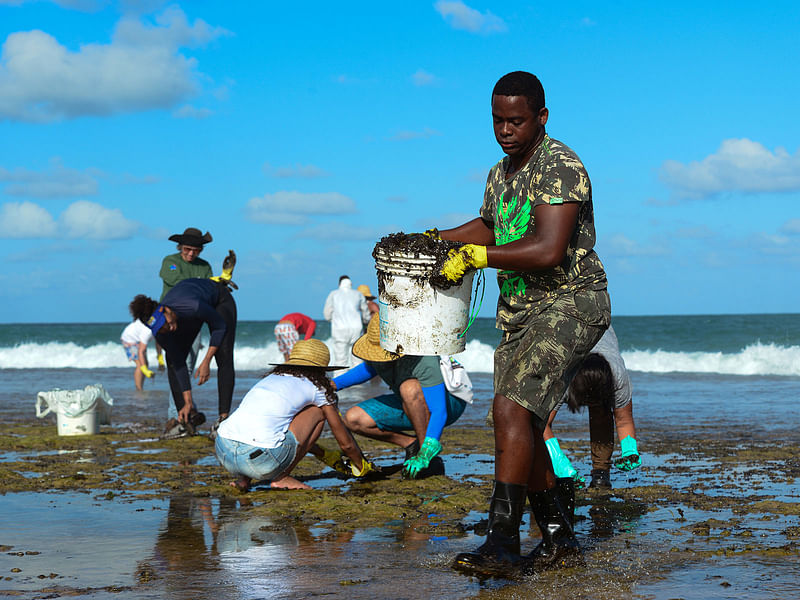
x: 78, y: 412
x: 84, y: 424
x: 416, y: 318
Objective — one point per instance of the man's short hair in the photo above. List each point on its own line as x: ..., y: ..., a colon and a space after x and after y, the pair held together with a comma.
x: 521, y: 83
x: 343, y: 277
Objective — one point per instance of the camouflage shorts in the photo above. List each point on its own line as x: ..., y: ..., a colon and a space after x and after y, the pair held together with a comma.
x: 534, y: 365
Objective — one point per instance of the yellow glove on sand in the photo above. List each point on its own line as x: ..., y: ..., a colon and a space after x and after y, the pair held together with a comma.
x: 147, y: 372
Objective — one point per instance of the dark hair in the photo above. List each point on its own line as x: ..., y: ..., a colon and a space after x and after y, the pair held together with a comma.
x: 142, y: 308
x: 593, y: 385
x: 315, y: 375
x: 521, y: 83
x: 343, y: 277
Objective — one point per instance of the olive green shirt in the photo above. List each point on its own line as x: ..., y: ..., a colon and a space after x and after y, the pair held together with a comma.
x: 175, y: 269
x: 553, y: 175
x: 423, y: 368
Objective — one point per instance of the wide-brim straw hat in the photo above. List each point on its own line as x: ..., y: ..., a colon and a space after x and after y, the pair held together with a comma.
x: 192, y: 237
x: 364, y: 289
x: 368, y: 346
x: 310, y: 353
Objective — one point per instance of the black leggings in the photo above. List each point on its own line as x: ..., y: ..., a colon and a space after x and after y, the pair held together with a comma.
x: 226, y: 376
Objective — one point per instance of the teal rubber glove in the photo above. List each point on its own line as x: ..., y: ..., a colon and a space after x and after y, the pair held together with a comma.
x: 561, y: 465
x: 630, y: 455
x: 416, y: 464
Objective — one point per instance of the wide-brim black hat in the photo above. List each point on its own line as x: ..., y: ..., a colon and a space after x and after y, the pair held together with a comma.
x: 192, y: 237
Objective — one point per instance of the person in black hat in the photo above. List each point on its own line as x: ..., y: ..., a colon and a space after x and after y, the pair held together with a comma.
x: 185, y: 264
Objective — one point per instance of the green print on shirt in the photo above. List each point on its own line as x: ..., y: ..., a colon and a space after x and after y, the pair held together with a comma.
x: 512, y: 223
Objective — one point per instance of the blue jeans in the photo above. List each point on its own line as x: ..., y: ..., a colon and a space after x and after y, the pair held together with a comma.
x: 254, y: 462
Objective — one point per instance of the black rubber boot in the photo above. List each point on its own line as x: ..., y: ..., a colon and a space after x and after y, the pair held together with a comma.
x: 566, y: 495
x: 559, y: 546
x: 499, y: 555
x: 601, y: 478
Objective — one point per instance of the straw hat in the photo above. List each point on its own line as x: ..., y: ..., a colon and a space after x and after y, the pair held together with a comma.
x: 364, y: 289
x: 310, y: 353
x: 368, y: 346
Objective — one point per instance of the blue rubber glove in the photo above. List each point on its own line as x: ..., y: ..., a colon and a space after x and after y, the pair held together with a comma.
x: 630, y: 455
x: 414, y: 465
x: 561, y: 465
x: 359, y: 374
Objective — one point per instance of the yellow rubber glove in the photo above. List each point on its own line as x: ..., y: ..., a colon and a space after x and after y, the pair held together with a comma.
x: 461, y: 260
x: 432, y: 233
x: 366, y: 467
x: 161, y: 364
x: 147, y: 372
x: 227, y: 270
x: 334, y: 459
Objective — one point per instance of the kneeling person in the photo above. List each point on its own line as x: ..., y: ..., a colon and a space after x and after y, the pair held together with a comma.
x: 281, y: 418
x: 419, y: 401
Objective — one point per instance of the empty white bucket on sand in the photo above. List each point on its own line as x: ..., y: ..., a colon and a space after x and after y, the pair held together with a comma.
x: 78, y: 412
x: 416, y: 318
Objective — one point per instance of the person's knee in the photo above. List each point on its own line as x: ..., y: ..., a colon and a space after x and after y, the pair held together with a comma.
x: 357, y: 420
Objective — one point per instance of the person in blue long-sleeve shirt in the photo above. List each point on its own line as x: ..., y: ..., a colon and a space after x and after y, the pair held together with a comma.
x: 176, y: 321
x: 419, y: 401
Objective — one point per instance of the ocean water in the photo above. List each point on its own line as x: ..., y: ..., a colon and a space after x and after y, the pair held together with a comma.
x: 695, y: 378
x: 724, y: 344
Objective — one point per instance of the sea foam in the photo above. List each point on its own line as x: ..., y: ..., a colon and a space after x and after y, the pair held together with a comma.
x: 754, y: 359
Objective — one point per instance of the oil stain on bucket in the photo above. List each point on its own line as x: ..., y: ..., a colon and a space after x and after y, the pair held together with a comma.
x: 416, y: 317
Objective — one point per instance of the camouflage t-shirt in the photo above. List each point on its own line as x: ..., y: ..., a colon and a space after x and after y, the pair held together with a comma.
x: 553, y: 175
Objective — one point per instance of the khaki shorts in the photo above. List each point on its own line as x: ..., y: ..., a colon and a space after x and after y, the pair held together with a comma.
x: 534, y: 365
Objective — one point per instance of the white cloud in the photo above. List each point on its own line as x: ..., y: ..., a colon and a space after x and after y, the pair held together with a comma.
x: 25, y: 220
x: 423, y: 78
x: 57, y: 181
x: 460, y: 16
x: 187, y: 111
x: 792, y: 227
x: 342, y: 232
x: 89, y: 220
x: 297, y: 171
x: 621, y: 245
x: 415, y: 135
x: 42, y: 80
x: 294, y: 208
x: 740, y: 165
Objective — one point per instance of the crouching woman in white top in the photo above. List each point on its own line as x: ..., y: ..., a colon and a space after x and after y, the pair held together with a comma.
x: 280, y: 419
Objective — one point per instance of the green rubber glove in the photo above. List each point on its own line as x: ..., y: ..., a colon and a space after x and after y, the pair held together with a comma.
x: 561, y: 465
x: 147, y: 372
x: 414, y: 465
x: 460, y: 260
x: 335, y: 460
x: 630, y: 455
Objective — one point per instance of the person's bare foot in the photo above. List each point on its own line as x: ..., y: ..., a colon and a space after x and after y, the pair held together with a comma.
x: 289, y: 483
x: 242, y: 484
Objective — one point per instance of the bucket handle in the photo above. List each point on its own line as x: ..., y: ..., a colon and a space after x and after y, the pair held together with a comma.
x: 481, y: 283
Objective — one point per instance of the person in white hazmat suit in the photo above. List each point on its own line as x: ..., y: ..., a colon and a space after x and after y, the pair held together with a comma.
x: 348, y: 312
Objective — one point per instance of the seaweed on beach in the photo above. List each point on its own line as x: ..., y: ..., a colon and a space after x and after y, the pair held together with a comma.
x: 418, y: 244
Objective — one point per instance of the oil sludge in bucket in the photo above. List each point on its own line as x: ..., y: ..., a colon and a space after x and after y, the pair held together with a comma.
x: 415, y: 317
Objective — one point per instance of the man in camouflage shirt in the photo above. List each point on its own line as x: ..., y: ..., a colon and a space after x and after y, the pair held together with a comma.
x: 536, y: 226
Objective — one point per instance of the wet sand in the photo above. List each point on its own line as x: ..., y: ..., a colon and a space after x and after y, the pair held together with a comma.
x: 714, y: 512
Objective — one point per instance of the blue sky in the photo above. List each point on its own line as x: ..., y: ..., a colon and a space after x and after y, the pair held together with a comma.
x: 298, y: 136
